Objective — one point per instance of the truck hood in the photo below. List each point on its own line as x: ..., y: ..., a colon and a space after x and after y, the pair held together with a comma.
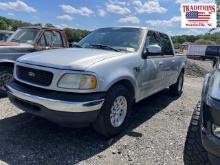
x: 13, y: 47
x: 71, y: 58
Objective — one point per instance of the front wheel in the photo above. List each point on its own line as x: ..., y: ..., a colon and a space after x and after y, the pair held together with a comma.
x: 6, y: 74
x: 115, y: 112
x: 177, y: 88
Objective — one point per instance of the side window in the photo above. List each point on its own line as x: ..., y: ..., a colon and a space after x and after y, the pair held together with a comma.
x: 49, y: 37
x: 152, y: 38
x: 57, y: 39
x: 42, y: 41
x: 166, y: 45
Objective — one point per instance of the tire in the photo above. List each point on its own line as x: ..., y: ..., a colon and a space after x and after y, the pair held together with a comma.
x: 6, y: 74
x: 103, y: 124
x: 194, y: 152
x: 177, y: 88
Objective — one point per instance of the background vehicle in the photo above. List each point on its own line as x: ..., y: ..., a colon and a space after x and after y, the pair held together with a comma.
x: 202, y: 144
x: 196, y: 51
x: 97, y: 82
x: 26, y: 40
x: 4, y: 35
x: 202, y: 51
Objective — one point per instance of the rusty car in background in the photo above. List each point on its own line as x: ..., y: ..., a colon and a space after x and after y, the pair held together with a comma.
x: 26, y: 40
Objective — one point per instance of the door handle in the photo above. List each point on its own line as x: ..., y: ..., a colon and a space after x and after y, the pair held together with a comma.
x: 160, y: 63
x: 173, y: 60
x: 137, y: 69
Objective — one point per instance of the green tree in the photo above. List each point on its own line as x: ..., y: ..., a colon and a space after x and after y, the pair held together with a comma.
x: 204, y: 42
x: 3, y: 25
x: 75, y: 35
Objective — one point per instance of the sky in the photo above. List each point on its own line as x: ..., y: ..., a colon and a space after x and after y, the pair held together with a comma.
x: 163, y: 15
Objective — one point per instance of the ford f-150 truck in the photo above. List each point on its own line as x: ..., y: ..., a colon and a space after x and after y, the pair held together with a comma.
x: 26, y: 40
x: 97, y: 81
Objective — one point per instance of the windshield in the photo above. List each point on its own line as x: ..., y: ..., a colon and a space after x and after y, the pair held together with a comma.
x: 123, y: 39
x: 24, y: 36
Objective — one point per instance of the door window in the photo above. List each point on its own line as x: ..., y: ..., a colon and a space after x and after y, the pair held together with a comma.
x: 152, y: 38
x: 166, y: 45
x: 49, y: 38
x: 53, y: 39
x: 57, y: 39
x: 42, y: 41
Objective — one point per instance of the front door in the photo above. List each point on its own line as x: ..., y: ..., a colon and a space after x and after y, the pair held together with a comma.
x: 152, y: 70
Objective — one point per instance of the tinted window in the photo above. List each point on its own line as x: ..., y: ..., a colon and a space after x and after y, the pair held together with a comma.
x: 152, y: 38
x: 212, y: 51
x: 125, y: 39
x: 166, y: 45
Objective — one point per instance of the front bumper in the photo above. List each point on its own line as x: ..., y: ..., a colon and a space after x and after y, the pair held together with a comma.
x: 210, y: 113
x: 59, y: 107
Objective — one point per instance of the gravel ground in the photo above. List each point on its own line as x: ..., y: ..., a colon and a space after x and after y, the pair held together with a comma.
x: 156, y: 135
x: 196, y: 68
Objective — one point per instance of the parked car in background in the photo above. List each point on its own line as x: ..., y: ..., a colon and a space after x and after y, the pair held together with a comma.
x: 4, y: 35
x: 202, y: 144
x: 196, y: 51
x: 202, y: 51
x: 97, y: 82
x: 26, y: 40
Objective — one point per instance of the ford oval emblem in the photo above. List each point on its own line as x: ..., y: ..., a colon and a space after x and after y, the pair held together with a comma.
x: 31, y: 74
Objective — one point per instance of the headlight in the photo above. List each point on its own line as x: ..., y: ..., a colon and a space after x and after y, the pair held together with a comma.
x: 77, y: 81
x: 216, y: 130
x: 214, y: 86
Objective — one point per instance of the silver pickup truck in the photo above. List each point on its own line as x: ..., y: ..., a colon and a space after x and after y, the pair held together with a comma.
x: 97, y: 81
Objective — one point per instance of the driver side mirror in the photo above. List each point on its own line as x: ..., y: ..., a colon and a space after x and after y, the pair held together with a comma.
x: 152, y: 50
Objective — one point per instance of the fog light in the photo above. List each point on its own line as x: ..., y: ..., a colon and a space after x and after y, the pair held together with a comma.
x: 216, y: 130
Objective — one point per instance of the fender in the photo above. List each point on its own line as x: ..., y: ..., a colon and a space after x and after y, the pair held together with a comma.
x: 121, y: 75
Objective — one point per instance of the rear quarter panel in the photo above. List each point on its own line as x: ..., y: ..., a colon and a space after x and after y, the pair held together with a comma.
x: 180, y: 63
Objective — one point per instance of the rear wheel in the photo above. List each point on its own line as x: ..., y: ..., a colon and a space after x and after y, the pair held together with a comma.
x: 6, y: 75
x: 194, y: 152
x: 114, y: 115
x: 177, y: 88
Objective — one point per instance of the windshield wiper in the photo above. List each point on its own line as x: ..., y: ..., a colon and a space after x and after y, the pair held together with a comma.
x: 100, y: 46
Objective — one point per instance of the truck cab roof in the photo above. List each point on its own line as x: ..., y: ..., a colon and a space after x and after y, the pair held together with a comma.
x: 40, y: 28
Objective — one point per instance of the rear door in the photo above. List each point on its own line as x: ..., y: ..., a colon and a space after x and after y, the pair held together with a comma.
x: 170, y: 69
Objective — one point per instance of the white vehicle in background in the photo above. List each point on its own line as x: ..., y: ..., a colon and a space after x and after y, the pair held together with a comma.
x: 196, y: 51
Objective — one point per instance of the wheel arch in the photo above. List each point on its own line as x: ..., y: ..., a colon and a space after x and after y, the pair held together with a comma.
x: 182, y: 70
x: 126, y: 83
x: 6, y: 63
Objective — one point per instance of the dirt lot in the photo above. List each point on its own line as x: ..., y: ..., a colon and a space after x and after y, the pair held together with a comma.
x: 156, y: 134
